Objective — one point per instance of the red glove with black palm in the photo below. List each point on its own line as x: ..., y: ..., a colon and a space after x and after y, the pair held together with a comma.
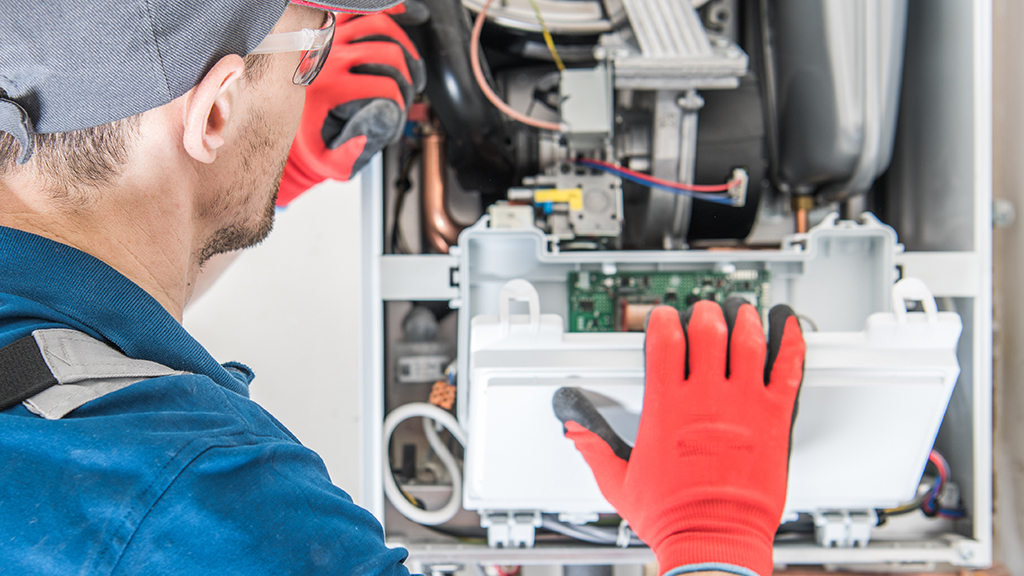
x: 705, y: 483
x: 357, y: 105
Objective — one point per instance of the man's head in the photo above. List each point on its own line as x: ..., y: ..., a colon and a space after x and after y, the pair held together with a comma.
x: 75, y: 162
x: 69, y: 65
x: 150, y: 127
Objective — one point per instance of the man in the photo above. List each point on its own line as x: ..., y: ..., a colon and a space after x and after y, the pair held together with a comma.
x: 138, y: 140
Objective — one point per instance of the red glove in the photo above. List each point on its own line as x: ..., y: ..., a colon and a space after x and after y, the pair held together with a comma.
x: 356, y: 106
x: 705, y: 483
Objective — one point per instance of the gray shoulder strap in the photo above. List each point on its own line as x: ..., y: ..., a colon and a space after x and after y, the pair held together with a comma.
x: 85, y: 369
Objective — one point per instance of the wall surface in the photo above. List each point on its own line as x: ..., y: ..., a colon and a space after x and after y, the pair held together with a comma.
x: 1008, y: 272
x: 289, y: 309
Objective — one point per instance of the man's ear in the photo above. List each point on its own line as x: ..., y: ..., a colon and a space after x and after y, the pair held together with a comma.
x: 209, y: 108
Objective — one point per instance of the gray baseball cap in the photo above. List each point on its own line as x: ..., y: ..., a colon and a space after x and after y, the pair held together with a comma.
x: 72, y: 64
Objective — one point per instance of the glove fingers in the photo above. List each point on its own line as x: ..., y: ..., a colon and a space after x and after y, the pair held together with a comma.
x: 609, y: 470
x: 381, y: 51
x: 708, y: 338
x: 379, y: 124
x: 784, y: 368
x: 337, y: 119
x: 384, y: 59
x: 746, y: 340
x: 571, y: 405
x: 380, y: 120
x: 409, y: 13
x: 380, y: 28
x: 319, y: 102
x: 357, y: 29
x: 349, y: 137
x: 382, y: 71
x: 664, y: 358
x: 416, y: 68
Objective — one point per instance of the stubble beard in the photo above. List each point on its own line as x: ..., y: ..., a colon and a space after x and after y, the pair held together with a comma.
x: 240, y: 236
x: 248, y: 233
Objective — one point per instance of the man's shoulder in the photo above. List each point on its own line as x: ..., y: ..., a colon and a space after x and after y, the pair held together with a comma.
x: 175, y: 408
x: 143, y: 425
x: 92, y: 478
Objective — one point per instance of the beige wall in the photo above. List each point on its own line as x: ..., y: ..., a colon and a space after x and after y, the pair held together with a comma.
x: 288, y: 308
x: 1008, y: 271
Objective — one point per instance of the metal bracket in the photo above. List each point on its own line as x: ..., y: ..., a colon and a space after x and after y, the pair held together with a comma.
x: 844, y: 528
x: 510, y: 529
x: 674, y: 153
x: 433, y: 274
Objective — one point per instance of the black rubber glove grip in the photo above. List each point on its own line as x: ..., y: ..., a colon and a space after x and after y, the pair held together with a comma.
x: 571, y: 404
x: 777, y: 318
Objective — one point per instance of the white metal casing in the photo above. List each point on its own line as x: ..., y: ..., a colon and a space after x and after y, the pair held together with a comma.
x: 940, y: 188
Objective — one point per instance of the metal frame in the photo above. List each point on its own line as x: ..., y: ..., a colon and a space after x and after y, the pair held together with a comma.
x: 960, y: 274
x: 982, y: 391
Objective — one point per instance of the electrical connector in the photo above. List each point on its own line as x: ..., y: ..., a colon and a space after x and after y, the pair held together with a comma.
x: 949, y: 497
x: 738, y: 191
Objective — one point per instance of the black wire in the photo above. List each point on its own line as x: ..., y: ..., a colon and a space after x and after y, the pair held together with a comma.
x: 461, y: 532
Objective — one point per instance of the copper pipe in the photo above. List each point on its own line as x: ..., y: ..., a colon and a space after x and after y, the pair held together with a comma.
x: 439, y: 229
x: 801, y: 206
x: 801, y: 221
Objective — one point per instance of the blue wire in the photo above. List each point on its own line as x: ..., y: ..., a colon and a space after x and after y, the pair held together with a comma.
x: 648, y: 183
x: 639, y: 180
x: 930, y: 505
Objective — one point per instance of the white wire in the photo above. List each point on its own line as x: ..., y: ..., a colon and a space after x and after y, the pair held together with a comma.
x: 574, y: 532
x: 430, y: 413
x: 592, y: 534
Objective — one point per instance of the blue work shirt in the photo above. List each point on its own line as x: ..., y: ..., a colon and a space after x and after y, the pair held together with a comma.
x: 173, y: 475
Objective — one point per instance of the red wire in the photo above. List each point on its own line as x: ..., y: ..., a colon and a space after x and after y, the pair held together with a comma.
x: 940, y: 464
x: 478, y: 74
x: 677, y: 185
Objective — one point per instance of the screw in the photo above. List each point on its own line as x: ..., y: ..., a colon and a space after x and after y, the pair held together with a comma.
x: 691, y: 102
x: 1004, y: 213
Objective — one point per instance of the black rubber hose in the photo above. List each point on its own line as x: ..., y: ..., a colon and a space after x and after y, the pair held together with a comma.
x: 478, y: 144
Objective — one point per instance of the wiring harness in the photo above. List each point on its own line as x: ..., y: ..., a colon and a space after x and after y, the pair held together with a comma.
x: 732, y: 193
x: 928, y: 500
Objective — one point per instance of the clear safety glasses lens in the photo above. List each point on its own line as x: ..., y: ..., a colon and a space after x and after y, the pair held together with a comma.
x: 313, y: 60
x: 316, y: 45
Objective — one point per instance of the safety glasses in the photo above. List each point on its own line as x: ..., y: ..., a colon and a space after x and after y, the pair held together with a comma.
x: 315, y: 43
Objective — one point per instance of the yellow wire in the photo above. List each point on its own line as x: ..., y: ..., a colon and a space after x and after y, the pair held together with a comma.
x: 547, y: 36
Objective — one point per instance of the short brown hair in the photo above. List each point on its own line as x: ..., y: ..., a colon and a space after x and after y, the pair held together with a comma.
x: 74, y: 160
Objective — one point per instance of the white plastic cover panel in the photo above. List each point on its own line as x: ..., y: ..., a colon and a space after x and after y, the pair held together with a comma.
x: 855, y: 443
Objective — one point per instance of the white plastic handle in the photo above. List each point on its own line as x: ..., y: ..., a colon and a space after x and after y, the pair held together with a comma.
x: 521, y: 291
x: 910, y: 290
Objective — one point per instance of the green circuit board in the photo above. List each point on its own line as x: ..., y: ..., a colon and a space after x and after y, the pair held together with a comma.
x: 619, y: 302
